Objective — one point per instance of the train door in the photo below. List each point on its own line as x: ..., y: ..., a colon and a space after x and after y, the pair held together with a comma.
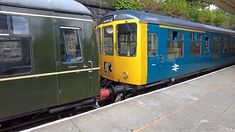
x: 153, y: 56
x: 72, y: 65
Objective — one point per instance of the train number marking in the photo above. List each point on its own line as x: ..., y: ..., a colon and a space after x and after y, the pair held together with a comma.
x: 175, y: 67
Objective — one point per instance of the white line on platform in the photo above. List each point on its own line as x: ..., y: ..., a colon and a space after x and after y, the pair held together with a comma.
x: 105, y: 107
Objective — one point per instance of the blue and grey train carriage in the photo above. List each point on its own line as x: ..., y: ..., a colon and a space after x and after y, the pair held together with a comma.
x: 140, y: 49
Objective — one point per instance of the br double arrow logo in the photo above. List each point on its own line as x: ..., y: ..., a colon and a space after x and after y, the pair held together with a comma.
x: 175, y: 67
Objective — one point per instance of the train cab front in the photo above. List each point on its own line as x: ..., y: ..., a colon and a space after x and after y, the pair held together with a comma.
x: 122, y: 52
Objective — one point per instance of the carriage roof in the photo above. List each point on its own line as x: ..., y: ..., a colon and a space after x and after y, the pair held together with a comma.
x: 67, y: 6
x: 164, y: 20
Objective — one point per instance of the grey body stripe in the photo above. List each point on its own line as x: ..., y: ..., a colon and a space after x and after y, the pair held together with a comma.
x: 47, y: 16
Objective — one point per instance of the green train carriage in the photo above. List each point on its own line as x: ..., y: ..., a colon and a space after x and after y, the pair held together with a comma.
x: 48, y: 56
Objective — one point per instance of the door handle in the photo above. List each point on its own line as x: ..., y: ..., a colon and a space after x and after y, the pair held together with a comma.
x: 160, y: 58
x: 85, y: 66
x: 91, y: 66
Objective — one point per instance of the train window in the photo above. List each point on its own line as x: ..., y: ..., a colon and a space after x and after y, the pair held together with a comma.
x: 175, y: 35
x: 233, y: 45
x: 195, y: 44
x: 107, y: 46
x: 215, y: 49
x: 195, y: 48
x: 215, y: 46
x: 98, y: 37
x: 230, y: 44
x: 19, y: 25
x: 127, y: 39
x: 225, y: 44
x: 200, y: 36
x: 182, y: 36
x: 15, y: 56
x: 175, y: 46
x: 153, y: 44
x: 70, y: 45
x: 169, y: 35
x: 207, y: 40
x: 3, y: 24
x: 194, y: 36
x: 174, y: 50
x: 191, y: 36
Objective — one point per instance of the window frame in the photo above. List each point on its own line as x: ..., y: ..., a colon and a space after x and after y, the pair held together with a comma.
x: 180, y: 37
x: 233, y: 44
x: 10, y: 27
x: 194, y: 40
x: 117, y: 41
x: 79, y: 37
x: 216, y: 40
x: 225, y: 44
x: 150, y: 44
x: 98, y: 39
x: 102, y: 42
x: 10, y: 35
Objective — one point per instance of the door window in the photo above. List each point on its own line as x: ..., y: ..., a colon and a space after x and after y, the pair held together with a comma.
x: 153, y: 44
x: 107, y: 40
x: 70, y: 45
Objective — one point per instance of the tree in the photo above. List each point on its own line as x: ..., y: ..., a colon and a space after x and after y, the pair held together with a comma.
x: 194, y: 10
x: 175, y: 8
x: 127, y: 4
x: 232, y: 22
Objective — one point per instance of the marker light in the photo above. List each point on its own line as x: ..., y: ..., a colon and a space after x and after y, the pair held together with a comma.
x: 124, y: 75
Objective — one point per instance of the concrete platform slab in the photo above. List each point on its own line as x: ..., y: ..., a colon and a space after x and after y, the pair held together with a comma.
x: 202, y: 104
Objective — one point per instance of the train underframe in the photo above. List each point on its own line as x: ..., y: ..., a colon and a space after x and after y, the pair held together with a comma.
x: 110, y: 92
x: 117, y: 91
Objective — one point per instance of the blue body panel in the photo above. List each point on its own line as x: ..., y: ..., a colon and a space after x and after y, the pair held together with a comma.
x: 160, y: 68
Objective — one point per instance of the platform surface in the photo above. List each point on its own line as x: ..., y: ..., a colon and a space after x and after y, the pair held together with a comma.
x: 204, y: 104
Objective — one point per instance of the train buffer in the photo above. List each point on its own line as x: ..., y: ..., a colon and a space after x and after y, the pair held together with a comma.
x: 206, y: 103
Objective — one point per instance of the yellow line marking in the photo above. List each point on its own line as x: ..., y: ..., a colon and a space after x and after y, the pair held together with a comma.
x: 178, y: 28
x: 48, y: 74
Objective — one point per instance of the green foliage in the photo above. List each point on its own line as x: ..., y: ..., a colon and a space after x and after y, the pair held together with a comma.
x: 232, y: 22
x: 175, y: 7
x: 127, y: 4
x: 194, y: 10
x: 219, y: 17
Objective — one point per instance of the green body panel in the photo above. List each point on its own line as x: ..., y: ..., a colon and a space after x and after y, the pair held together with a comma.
x: 22, y: 96
x: 32, y: 94
x: 91, y: 50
